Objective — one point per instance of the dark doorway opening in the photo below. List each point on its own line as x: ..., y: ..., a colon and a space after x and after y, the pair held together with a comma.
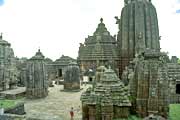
x: 178, y: 89
x: 90, y: 79
x: 59, y: 72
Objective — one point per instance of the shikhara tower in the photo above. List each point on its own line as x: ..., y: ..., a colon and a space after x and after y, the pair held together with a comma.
x: 138, y: 30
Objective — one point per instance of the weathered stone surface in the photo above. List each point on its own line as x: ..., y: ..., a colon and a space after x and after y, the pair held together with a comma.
x: 72, y: 77
x: 18, y: 109
x: 56, y: 69
x: 8, y: 70
x: 149, y: 84
x: 107, y: 100
x: 138, y: 30
x: 37, y: 82
x: 98, y: 49
x: 174, y: 81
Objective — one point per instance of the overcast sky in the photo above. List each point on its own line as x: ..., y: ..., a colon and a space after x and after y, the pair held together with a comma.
x: 58, y: 26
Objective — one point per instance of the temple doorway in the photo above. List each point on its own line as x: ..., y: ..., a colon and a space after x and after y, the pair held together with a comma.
x: 90, y: 79
x: 59, y: 72
x: 177, y: 88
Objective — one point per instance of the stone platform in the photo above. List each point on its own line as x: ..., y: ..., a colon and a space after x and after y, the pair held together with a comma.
x: 13, y: 94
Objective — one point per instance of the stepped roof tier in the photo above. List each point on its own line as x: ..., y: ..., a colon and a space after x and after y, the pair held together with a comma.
x: 100, y: 46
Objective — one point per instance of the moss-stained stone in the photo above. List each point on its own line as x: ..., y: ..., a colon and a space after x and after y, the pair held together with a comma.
x: 107, y: 96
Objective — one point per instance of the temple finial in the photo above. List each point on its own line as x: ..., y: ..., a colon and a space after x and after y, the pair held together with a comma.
x: 101, y: 20
x: 1, y: 36
x: 39, y: 50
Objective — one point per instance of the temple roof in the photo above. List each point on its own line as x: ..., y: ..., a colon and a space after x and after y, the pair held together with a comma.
x: 64, y: 60
x: 3, y: 42
x: 38, y: 55
x: 110, y: 91
x: 100, y: 46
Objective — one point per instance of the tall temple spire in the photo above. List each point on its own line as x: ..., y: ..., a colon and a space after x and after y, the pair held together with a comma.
x: 138, y: 30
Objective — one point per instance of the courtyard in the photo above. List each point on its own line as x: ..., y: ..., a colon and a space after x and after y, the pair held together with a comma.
x: 56, y: 105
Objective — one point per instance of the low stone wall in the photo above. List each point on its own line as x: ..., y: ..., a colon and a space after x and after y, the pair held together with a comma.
x: 18, y: 109
x: 12, y: 117
x: 175, y: 99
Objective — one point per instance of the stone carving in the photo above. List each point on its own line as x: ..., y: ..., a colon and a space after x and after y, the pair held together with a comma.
x: 8, y: 70
x: 108, y: 100
x: 72, y: 77
x: 56, y: 69
x: 138, y: 30
x: 97, y: 50
x: 37, y: 82
x: 148, y: 83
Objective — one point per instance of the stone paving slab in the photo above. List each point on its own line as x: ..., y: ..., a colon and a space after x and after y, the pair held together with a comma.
x: 56, y: 105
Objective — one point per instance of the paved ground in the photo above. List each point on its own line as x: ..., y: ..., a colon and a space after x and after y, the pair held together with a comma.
x: 56, y: 105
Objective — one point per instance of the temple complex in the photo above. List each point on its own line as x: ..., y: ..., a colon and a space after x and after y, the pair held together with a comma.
x: 138, y: 30
x: 37, y: 82
x: 72, y: 77
x: 98, y: 49
x: 8, y: 70
x: 107, y: 100
x: 128, y: 76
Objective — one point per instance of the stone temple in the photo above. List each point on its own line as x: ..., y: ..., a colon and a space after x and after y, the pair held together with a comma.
x: 56, y: 69
x: 37, y: 82
x: 138, y: 30
x: 142, y: 66
x: 99, y: 49
x: 72, y: 77
x: 8, y: 70
x: 107, y: 100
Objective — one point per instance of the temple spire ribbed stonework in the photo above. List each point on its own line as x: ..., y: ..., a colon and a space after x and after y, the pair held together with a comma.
x: 138, y: 30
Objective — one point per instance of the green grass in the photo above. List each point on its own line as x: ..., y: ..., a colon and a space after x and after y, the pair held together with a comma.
x: 7, y: 103
x: 174, y: 113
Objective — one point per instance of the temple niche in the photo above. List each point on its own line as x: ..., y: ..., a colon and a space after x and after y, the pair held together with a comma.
x: 98, y: 49
x: 138, y: 30
x: 37, y: 82
x: 8, y: 70
x: 107, y: 100
x: 72, y: 77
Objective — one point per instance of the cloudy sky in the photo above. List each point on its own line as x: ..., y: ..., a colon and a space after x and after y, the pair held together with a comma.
x: 58, y: 26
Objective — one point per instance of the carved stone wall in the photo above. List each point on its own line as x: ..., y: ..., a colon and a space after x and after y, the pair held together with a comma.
x: 8, y: 70
x: 151, y: 83
x: 37, y: 82
x: 72, y: 77
x: 138, y: 30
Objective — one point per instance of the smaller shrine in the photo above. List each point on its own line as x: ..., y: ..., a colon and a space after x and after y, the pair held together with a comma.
x: 37, y: 82
x: 107, y: 100
x: 72, y: 77
x: 56, y: 69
